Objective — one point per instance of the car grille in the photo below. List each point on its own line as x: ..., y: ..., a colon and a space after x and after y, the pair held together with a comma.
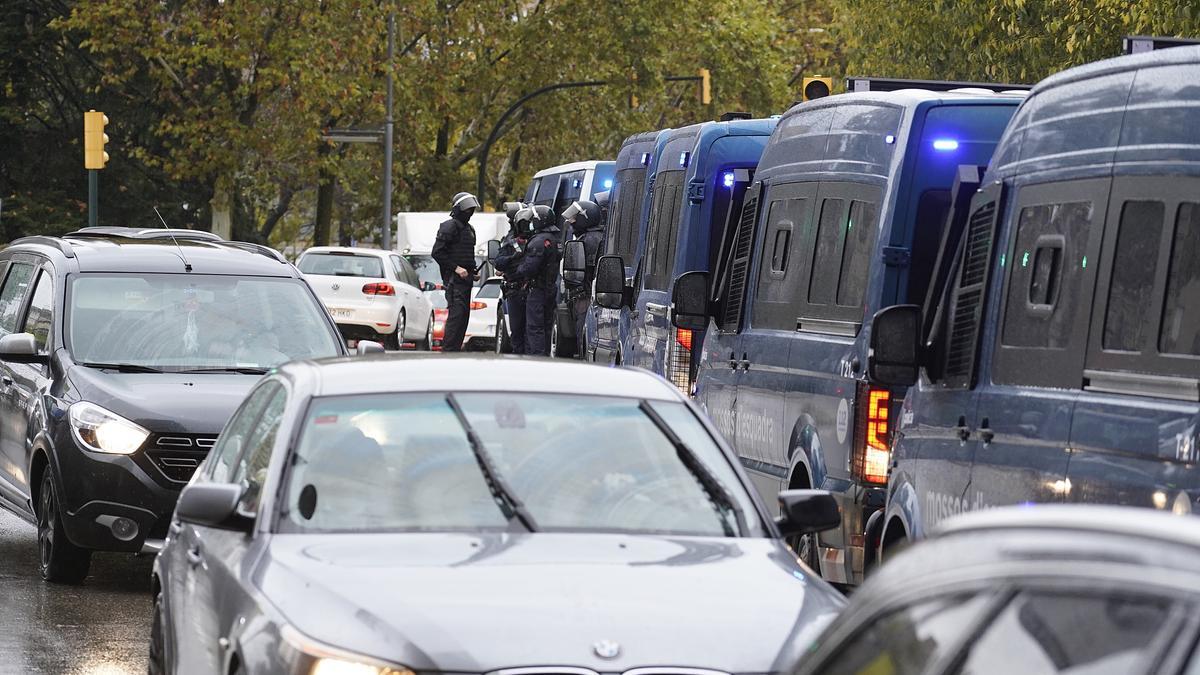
x: 176, y: 456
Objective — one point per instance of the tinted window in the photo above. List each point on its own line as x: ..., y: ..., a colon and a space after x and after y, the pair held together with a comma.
x: 251, y: 468
x: 826, y: 262
x: 570, y: 188
x: 341, y: 265
x: 1047, y: 270
x: 776, y: 305
x: 663, y: 229
x: 41, y: 310
x: 546, y: 190
x: 1135, y: 263
x: 932, y: 211
x: 223, y: 460
x: 906, y: 641
x: 625, y: 213
x: 1181, y: 311
x: 489, y: 290
x: 856, y: 254
x: 1061, y: 633
x: 12, y: 295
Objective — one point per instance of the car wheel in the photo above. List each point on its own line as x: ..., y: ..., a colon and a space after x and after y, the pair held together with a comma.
x: 392, y: 342
x: 62, y: 562
x: 806, y: 549
x: 157, y: 663
x: 427, y: 343
x: 503, y: 341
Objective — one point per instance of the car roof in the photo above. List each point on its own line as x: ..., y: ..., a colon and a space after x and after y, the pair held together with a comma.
x: 153, y: 252
x: 402, y: 373
x: 1100, y: 520
x: 350, y: 249
x: 573, y: 166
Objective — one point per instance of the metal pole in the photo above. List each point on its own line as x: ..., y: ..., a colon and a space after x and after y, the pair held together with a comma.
x: 93, y: 197
x: 387, y: 139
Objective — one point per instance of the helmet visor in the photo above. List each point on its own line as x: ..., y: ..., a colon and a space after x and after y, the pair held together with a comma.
x: 572, y: 213
x: 466, y: 202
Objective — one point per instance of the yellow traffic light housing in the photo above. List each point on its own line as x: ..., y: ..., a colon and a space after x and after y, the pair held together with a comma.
x: 705, y: 87
x: 817, y: 87
x: 94, y: 140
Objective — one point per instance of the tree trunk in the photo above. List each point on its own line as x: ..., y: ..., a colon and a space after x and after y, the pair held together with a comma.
x: 222, y: 211
x: 325, y: 187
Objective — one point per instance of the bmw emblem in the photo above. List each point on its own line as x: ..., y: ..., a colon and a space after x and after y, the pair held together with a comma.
x: 337, y: 287
x: 607, y: 649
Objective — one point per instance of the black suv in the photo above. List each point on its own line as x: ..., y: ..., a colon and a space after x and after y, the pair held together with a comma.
x: 123, y: 352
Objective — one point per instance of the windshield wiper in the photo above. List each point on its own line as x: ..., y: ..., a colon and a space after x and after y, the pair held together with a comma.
x: 509, y: 504
x: 723, y: 503
x: 245, y: 370
x: 123, y: 367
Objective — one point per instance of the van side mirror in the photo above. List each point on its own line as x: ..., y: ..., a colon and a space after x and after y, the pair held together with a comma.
x: 807, y: 512
x: 493, y: 251
x: 213, y: 505
x: 895, y: 357
x: 21, y: 348
x: 611, y: 290
x: 689, y: 301
x: 428, y: 286
x: 574, y: 263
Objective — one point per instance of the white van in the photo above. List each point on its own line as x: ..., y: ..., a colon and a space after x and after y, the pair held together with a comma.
x: 416, y: 232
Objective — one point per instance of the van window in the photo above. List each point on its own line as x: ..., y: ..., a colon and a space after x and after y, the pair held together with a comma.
x: 570, y: 188
x: 1047, y: 272
x: 1181, y: 311
x: 933, y: 208
x: 776, y: 304
x: 532, y: 191
x: 826, y: 263
x: 1135, y: 265
x: 663, y: 231
x: 547, y: 190
x: 856, y: 254
x: 625, y: 214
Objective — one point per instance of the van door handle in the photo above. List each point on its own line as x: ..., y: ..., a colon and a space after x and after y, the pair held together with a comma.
x: 733, y: 363
x: 176, y: 527
x: 962, y: 430
x: 985, y: 433
x: 656, y: 309
x: 194, y: 556
x: 745, y: 362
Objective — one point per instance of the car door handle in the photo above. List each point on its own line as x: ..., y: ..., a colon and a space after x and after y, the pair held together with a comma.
x: 194, y: 556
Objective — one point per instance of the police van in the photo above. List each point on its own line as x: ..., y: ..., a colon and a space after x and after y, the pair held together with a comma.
x: 844, y: 217
x: 1061, y: 360
x: 698, y: 180
x: 624, y: 233
x: 558, y: 187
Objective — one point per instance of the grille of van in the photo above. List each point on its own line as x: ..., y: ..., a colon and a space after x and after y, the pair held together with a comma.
x: 739, y: 270
x: 968, y: 301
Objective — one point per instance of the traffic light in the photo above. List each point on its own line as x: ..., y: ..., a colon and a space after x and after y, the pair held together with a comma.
x: 705, y: 87
x: 817, y: 87
x: 94, y: 139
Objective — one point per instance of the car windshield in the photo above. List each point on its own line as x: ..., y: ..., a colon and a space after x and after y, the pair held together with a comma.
x: 405, y: 462
x: 185, y: 322
x: 342, y: 264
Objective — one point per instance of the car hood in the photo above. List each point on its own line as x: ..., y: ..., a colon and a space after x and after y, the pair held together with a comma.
x: 480, y: 602
x: 165, y: 402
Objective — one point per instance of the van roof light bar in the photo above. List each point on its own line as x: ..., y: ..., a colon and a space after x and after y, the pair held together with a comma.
x: 1137, y: 44
x: 859, y: 84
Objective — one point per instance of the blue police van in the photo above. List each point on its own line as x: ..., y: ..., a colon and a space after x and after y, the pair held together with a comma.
x: 844, y: 217
x: 698, y: 178
x: 1060, y: 361
x: 621, y: 234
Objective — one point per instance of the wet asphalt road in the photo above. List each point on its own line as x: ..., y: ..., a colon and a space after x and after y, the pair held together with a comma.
x: 99, y: 628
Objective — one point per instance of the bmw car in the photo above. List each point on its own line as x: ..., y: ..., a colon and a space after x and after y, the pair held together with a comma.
x: 479, y: 515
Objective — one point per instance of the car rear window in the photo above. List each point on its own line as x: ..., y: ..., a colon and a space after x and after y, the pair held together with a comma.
x: 342, y: 265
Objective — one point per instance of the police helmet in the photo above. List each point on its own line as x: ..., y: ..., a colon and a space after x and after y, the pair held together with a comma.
x: 602, y: 199
x: 464, y: 203
x: 523, y: 221
x: 582, y: 215
x: 511, y: 209
x: 543, y: 218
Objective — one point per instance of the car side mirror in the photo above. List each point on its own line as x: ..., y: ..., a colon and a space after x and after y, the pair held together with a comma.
x: 689, y: 301
x: 574, y: 263
x: 807, y: 512
x: 493, y: 250
x: 369, y: 347
x: 213, y: 505
x: 21, y: 348
x: 610, y: 282
x: 895, y: 356
x: 428, y: 286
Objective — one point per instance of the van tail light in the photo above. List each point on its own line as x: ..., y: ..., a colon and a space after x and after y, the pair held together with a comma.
x: 873, y: 434
x: 475, y: 304
x: 378, y: 288
x: 679, y: 359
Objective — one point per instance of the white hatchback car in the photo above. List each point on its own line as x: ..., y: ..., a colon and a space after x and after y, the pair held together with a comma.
x: 371, y: 294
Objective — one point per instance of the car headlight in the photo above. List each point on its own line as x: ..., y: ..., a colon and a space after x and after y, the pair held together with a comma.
x: 105, y: 431
x: 325, y: 660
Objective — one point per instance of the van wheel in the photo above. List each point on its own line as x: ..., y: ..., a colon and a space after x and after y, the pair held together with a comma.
x: 807, y: 550
x: 392, y: 342
x: 62, y: 562
x: 157, y: 663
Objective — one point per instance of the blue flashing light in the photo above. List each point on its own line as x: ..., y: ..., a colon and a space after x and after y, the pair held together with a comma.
x: 683, y: 158
x: 607, y: 183
x: 727, y: 180
x: 945, y: 144
x: 577, y: 184
x: 889, y: 139
x: 645, y: 159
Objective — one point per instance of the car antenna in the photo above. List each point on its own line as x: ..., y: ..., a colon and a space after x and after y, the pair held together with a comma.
x: 187, y: 266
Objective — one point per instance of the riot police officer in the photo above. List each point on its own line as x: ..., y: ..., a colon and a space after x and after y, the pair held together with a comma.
x: 584, y: 219
x: 454, y: 251
x: 539, y: 268
x: 512, y: 251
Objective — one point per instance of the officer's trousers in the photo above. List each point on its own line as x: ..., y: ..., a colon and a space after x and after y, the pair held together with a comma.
x: 539, y: 305
x: 458, y: 306
x: 514, y: 307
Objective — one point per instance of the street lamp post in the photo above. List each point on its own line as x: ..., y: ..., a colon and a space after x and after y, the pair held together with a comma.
x: 387, y: 139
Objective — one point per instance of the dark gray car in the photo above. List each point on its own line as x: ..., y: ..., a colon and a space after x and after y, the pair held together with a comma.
x: 475, y: 515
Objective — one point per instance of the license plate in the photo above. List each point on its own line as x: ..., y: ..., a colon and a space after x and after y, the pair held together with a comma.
x: 341, y: 313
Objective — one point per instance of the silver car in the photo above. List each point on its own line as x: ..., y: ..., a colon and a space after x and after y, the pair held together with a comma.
x: 480, y: 515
